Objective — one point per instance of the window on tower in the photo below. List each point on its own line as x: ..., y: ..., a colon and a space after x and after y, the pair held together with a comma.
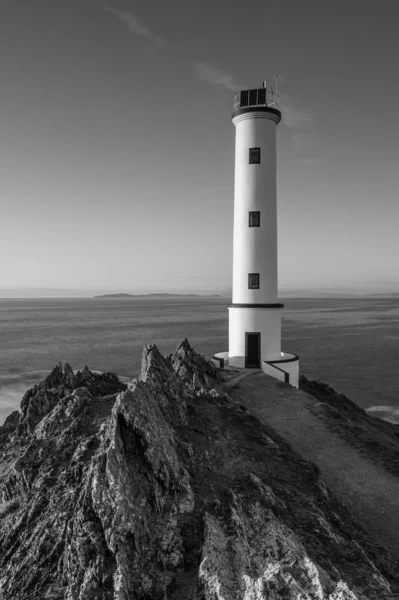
x: 252, y: 96
x: 262, y: 96
x: 244, y: 98
x: 254, y: 218
x: 254, y: 156
x: 253, y: 281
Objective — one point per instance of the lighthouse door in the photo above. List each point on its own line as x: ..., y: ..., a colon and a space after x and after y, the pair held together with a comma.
x: 252, y: 350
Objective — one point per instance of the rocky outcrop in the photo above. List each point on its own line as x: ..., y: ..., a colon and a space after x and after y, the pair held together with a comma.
x: 9, y: 426
x: 43, y: 397
x: 168, y: 490
x: 193, y: 368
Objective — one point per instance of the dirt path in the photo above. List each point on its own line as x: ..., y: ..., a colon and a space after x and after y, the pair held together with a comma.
x: 369, y: 492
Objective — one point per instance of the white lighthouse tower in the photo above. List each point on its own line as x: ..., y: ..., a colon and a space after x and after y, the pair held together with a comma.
x: 255, y: 312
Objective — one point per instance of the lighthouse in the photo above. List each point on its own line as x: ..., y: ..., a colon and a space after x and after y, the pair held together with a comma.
x: 255, y: 311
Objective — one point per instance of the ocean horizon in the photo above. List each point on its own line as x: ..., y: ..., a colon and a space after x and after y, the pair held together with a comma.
x: 350, y: 343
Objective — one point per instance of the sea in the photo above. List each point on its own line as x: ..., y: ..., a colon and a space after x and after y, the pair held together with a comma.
x: 351, y: 344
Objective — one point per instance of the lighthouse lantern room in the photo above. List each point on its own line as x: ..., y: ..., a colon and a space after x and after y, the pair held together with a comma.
x: 255, y: 312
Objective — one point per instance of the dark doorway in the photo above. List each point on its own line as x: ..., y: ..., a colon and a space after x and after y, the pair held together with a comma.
x: 252, y: 350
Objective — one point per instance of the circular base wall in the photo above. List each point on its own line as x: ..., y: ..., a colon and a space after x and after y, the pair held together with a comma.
x: 284, y: 367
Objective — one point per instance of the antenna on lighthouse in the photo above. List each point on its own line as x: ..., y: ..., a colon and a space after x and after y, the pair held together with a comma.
x: 276, y: 81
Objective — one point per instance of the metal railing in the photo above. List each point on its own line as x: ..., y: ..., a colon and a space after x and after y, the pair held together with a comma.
x: 259, y: 97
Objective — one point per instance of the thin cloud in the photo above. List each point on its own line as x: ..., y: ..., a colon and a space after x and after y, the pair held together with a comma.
x: 306, y: 147
x: 308, y: 161
x: 281, y: 78
x: 293, y: 115
x: 135, y: 26
x: 203, y: 71
x: 214, y: 76
x: 304, y: 141
x: 379, y: 282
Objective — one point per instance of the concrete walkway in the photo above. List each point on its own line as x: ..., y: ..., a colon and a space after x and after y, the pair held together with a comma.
x: 369, y: 492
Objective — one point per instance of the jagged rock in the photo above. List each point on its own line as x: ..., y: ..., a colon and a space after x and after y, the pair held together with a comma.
x: 9, y: 426
x: 43, y: 397
x: 192, y: 367
x: 163, y: 492
x: 257, y: 557
x: 11, y: 423
x: 69, y: 376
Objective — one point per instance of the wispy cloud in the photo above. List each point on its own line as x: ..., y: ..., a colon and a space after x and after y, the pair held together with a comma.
x: 214, y: 76
x: 135, y: 26
x: 203, y: 71
x: 308, y: 161
x: 305, y: 142
x: 306, y: 147
x: 293, y: 115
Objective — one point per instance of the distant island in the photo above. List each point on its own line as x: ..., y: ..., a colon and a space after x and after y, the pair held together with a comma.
x: 158, y: 296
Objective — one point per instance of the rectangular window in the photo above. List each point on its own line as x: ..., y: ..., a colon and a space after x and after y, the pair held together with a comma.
x: 244, y: 98
x: 252, y: 97
x: 262, y: 96
x: 253, y: 281
x: 254, y: 218
x: 254, y: 156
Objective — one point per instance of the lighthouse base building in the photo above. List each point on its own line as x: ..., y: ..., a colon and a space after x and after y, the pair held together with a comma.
x: 255, y: 312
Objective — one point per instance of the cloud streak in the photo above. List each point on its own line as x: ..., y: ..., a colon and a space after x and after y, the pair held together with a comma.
x: 305, y: 144
x: 203, y: 71
x: 135, y: 26
x: 215, y: 77
x: 294, y: 116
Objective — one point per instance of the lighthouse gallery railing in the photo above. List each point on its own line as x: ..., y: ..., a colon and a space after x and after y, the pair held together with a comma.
x: 259, y: 97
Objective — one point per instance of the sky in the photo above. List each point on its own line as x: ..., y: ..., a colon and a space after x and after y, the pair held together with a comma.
x: 117, y: 154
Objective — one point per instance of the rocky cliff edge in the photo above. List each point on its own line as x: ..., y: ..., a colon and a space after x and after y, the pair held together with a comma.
x: 168, y: 489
